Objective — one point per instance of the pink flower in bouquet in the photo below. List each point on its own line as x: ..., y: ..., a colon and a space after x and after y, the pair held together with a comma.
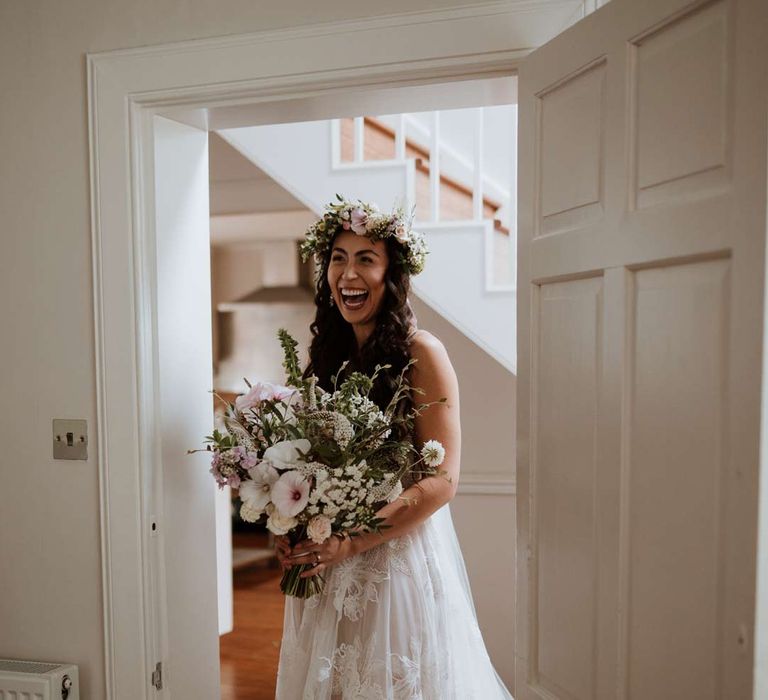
x: 290, y: 494
x: 359, y: 221
x: 263, y: 391
x: 224, y: 470
x: 319, y: 529
x: 246, y: 459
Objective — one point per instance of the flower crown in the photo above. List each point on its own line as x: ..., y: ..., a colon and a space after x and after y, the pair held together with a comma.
x: 365, y: 220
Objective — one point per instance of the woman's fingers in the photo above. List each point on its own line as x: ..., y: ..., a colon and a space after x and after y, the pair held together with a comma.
x: 314, y: 570
x: 282, y: 550
x: 285, y: 563
x: 304, y: 545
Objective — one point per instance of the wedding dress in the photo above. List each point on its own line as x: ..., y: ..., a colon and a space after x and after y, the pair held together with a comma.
x: 396, y: 622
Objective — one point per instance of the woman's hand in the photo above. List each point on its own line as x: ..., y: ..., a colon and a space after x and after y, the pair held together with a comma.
x: 330, y: 552
x: 282, y: 550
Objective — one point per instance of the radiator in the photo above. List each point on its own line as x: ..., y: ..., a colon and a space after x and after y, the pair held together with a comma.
x: 37, y: 680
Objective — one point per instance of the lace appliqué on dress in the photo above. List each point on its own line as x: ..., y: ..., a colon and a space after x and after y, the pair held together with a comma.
x: 355, y: 673
x: 355, y: 580
x: 352, y: 672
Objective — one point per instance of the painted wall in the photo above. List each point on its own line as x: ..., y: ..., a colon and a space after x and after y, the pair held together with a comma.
x: 484, y: 521
x: 50, y: 606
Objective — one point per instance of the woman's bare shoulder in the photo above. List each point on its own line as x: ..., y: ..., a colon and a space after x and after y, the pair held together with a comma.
x: 434, y: 376
x: 423, y: 338
x: 424, y: 343
x: 429, y: 352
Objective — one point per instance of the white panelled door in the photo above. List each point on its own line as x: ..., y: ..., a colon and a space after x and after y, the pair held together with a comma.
x: 642, y: 198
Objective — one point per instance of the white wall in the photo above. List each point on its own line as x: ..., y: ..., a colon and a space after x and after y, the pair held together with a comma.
x: 485, y: 526
x: 50, y: 606
x: 249, y: 343
x: 241, y: 268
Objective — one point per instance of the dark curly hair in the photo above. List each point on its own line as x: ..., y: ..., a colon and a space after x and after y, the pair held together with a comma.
x: 333, y: 340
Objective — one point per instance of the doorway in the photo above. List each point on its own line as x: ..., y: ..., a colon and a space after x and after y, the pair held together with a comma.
x: 261, y: 202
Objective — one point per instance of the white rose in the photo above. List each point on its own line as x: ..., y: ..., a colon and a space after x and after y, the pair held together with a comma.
x: 319, y: 529
x: 279, y: 524
x: 250, y: 514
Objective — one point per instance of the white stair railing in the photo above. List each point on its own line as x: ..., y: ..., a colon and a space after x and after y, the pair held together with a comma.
x: 434, y: 143
x: 434, y: 168
x: 400, y: 137
x: 359, y: 139
x: 477, y: 187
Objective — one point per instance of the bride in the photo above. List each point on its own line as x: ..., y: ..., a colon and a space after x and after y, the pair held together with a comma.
x: 395, y: 620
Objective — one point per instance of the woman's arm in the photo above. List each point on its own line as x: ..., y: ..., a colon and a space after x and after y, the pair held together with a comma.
x: 433, y: 374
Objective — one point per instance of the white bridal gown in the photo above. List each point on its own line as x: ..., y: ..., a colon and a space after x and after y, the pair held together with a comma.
x: 394, y: 623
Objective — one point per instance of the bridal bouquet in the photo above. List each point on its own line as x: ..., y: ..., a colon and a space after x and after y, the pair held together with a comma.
x: 315, y: 463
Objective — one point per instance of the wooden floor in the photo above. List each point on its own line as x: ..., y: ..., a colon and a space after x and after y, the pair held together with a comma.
x: 249, y: 654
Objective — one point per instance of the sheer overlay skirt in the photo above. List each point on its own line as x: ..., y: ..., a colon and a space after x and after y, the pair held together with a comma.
x: 394, y: 623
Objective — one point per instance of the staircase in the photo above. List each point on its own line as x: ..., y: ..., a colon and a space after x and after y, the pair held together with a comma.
x: 314, y: 160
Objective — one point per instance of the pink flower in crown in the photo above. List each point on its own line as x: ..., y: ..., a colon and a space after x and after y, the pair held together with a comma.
x: 359, y: 221
x: 290, y: 494
x: 263, y: 391
x: 401, y: 234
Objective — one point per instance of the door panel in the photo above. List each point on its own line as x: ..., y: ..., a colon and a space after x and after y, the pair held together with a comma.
x: 672, y: 520
x: 566, y: 315
x: 641, y: 233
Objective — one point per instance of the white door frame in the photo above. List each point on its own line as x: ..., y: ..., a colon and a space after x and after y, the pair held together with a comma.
x: 126, y: 88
